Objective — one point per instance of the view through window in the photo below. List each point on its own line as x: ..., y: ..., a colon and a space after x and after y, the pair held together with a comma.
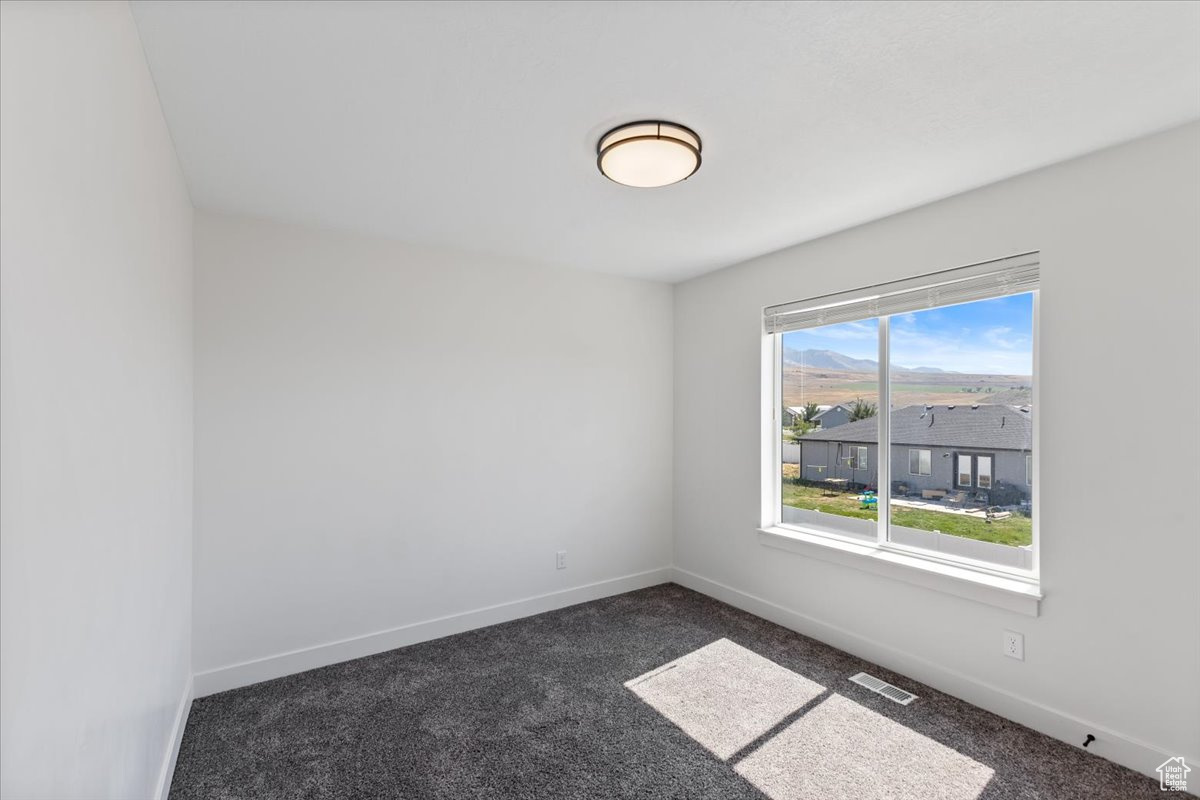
x: 960, y: 382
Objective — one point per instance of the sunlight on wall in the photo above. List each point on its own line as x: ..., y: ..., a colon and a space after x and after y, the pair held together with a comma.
x: 793, y: 738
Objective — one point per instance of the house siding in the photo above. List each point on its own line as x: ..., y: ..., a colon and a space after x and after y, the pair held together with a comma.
x: 1008, y: 468
x: 833, y: 417
x: 818, y: 461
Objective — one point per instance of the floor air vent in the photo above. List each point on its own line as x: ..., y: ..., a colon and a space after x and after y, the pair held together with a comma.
x: 886, y: 689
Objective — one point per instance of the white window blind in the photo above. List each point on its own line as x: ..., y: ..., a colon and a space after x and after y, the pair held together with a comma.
x: 1004, y: 276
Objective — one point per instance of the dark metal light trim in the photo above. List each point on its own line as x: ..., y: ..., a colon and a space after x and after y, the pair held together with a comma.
x: 658, y: 123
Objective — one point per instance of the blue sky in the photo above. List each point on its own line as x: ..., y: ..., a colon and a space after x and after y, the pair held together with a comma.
x: 987, y: 336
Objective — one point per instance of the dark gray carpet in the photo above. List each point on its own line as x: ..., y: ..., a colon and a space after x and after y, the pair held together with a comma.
x: 539, y: 708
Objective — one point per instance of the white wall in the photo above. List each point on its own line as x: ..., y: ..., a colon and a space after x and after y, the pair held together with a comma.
x: 387, y: 434
x: 1118, y: 640
x: 95, y: 409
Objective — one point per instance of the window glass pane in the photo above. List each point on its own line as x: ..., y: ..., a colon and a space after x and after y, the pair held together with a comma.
x: 961, y: 380
x: 964, y: 470
x: 983, y: 472
x: 830, y: 390
x: 918, y: 462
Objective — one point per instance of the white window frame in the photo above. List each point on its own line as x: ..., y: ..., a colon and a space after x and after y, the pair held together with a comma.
x: 928, y: 458
x: 1010, y: 588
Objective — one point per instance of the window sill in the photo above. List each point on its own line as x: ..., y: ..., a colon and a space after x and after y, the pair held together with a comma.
x: 1010, y: 593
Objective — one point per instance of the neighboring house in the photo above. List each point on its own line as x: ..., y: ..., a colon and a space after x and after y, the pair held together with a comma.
x: 833, y: 416
x: 983, y: 450
x: 792, y: 414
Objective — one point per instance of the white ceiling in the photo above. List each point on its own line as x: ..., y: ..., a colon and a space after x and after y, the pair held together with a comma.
x: 474, y: 124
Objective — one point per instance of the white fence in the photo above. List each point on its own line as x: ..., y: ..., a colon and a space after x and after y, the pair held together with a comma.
x: 948, y: 544
x: 990, y: 552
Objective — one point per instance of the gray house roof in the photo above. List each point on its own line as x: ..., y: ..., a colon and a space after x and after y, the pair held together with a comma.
x: 991, y: 427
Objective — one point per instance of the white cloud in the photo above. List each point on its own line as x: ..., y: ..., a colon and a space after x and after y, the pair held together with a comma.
x: 999, y: 336
x: 849, y: 330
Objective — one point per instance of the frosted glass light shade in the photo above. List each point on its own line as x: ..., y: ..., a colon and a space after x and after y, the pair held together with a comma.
x: 648, y: 154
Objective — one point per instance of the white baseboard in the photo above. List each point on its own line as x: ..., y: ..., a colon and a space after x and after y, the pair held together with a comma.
x: 172, y: 755
x: 264, y: 669
x: 1125, y: 750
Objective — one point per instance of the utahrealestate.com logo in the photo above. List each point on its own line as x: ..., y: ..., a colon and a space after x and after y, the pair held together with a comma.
x: 1172, y: 775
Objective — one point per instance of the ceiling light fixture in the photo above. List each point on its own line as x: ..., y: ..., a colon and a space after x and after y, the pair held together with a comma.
x: 648, y: 154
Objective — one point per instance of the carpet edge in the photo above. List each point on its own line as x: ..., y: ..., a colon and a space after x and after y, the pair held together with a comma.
x: 246, y: 673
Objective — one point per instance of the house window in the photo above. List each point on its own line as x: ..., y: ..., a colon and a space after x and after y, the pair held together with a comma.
x: 856, y: 457
x: 983, y: 472
x: 964, y: 471
x: 950, y: 355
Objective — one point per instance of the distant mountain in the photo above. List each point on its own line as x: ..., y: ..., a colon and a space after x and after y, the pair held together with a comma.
x: 828, y: 359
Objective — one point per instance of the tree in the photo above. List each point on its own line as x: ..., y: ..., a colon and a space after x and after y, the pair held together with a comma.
x: 810, y: 411
x: 861, y: 409
x: 801, y: 426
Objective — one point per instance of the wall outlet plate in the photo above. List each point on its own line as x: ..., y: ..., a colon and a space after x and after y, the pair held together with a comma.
x: 560, y: 559
x: 1014, y: 645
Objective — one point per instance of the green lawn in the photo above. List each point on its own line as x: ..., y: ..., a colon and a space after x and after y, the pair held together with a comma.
x: 1014, y: 531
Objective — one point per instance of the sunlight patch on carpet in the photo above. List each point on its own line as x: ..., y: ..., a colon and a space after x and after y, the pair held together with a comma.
x: 842, y: 749
x: 724, y: 696
x: 793, y: 738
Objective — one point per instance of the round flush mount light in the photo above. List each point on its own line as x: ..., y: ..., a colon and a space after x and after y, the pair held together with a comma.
x: 648, y: 154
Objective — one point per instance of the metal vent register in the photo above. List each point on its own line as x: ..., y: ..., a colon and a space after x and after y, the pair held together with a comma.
x: 877, y: 686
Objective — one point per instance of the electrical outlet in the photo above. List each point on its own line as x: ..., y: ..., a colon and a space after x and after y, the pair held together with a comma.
x: 1014, y: 645
x: 560, y: 559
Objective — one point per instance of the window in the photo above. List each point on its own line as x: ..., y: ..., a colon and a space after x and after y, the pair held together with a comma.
x: 949, y: 356
x: 976, y: 470
x: 856, y: 457
x: 819, y: 467
x: 964, y: 470
x: 983, y: 472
